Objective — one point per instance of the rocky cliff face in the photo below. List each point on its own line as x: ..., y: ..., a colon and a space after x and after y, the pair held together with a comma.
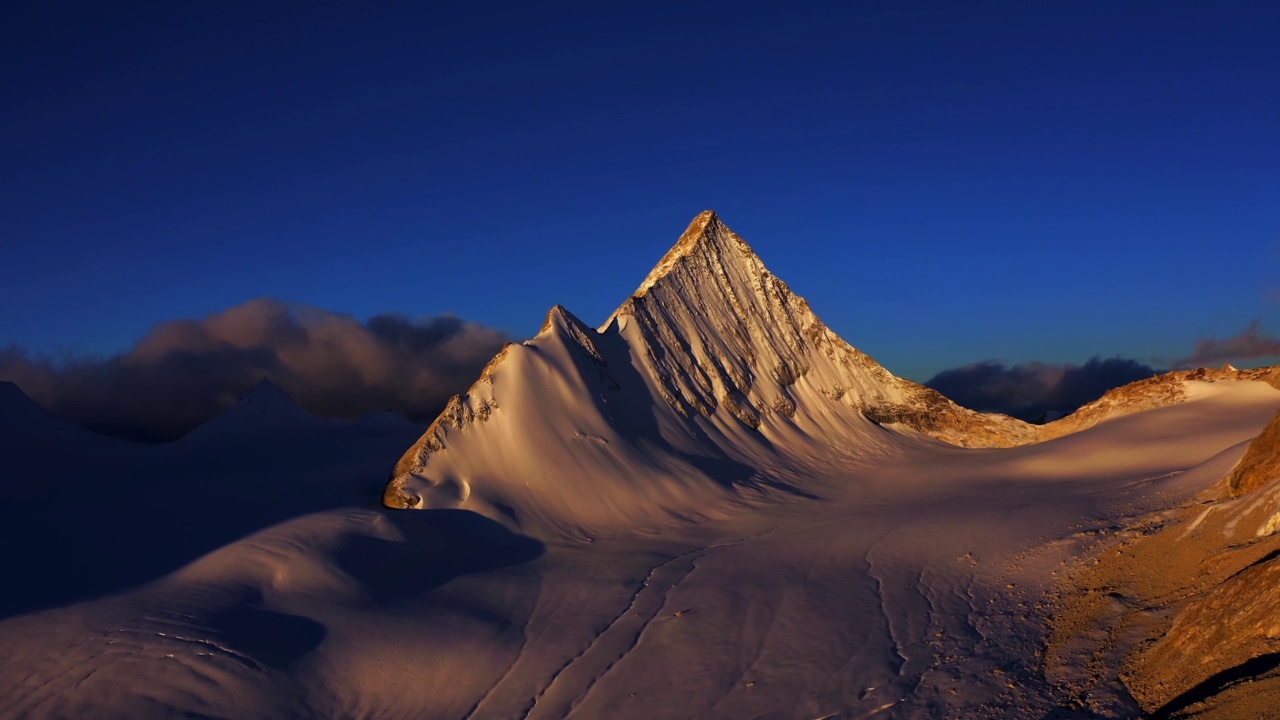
x: 1223, y: 641
x: 1223, y: 646
x: 1260, y: 464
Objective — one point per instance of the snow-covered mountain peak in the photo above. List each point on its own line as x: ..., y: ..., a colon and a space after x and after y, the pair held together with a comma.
x: 269, y: 398
x: 558, y: 315
x: 711, y: 381
x: 719, y: 330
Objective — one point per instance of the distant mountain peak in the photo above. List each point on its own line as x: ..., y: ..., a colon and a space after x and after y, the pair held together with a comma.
x: 268, y: 397
x: 265, y: 407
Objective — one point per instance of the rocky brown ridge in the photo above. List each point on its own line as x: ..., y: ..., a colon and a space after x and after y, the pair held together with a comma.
x: 1260, y: 464
x: 1149, y: 394
x: 1188, y: 602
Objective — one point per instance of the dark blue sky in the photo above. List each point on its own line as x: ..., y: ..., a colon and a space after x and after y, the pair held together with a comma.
x: 945, y: 182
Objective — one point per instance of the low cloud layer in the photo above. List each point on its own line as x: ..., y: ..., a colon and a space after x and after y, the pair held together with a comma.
x: 1252, y: 343
x: 1029, y: 391
x: 184, y: 372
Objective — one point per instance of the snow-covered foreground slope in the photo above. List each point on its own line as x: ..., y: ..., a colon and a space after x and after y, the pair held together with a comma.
x: 723, y: 514
x: 274, y: 586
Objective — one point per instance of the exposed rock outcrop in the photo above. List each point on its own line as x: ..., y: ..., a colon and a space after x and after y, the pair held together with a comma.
x: 1190, y: 601
x: 1260, y: 464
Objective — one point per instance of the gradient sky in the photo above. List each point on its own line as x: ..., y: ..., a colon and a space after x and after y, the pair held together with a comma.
x: 945, y: 182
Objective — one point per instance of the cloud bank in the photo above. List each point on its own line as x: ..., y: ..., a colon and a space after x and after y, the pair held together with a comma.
x: 1029, y: 391
x: 184, y: 372
x: 1250, y: 344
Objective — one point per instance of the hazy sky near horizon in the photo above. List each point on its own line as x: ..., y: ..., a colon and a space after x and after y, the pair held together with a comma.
x: 946, y: 182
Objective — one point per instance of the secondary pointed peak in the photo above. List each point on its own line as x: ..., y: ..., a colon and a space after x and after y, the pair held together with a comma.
x: 557, y: 314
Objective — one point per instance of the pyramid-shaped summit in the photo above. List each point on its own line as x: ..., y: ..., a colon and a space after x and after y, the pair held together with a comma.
x: 733, y: 334
x: 711, y: 386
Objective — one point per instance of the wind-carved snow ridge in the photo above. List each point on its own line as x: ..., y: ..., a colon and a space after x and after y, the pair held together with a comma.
x: 711, y: 386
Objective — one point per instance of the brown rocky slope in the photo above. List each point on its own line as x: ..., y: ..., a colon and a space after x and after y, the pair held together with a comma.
x: 1185, y: 607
